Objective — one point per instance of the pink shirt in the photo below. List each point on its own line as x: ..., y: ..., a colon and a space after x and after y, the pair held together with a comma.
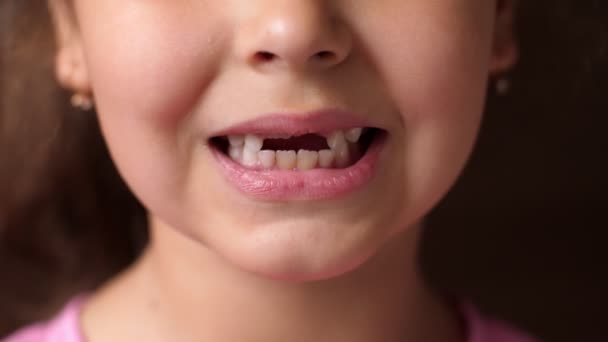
x: 65, y: 328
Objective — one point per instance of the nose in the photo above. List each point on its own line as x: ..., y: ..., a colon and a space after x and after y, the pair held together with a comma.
x: 294, y: 34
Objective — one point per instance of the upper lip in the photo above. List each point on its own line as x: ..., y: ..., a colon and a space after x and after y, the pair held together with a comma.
x: 295, y: 124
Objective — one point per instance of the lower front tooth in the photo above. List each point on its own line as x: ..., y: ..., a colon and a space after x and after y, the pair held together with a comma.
x: 286, y: 160
x: 267, y: 158
x: 236, y: 153
x: 326, y: 158
x: 250, y: 158
x: 342, y: 155
x: 307, y: 160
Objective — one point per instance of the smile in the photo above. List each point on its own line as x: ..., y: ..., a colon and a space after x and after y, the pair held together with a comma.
x: 339, y: 149
x: 298, y: 157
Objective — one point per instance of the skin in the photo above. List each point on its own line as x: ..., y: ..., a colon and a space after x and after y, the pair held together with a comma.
x: 166, y: 75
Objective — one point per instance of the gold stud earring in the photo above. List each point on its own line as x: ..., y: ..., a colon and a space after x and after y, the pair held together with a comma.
x: 503, y: 85
x: 82, y: 101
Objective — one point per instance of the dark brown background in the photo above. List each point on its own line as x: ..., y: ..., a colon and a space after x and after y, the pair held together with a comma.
x: 522, y: 233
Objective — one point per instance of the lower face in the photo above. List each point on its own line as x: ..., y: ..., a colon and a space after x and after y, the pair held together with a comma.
x: 209, y: 139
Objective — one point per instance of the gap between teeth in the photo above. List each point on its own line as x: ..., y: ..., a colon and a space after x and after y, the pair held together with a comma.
x: 247, y: 150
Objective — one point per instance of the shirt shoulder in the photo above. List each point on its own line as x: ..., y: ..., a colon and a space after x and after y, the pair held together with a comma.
x: 483, y: 328
x: 64, y: 327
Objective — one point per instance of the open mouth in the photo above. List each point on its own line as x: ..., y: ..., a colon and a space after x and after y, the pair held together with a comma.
x: 339, y: 149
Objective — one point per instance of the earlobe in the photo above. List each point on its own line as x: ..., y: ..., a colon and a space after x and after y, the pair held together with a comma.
x: 70, y: 68
x: 70, y: 64
x: 505, y: 49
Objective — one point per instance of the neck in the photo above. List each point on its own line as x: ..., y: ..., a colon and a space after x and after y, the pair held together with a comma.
x: 193, y: 294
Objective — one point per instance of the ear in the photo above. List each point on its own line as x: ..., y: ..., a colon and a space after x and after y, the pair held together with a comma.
x: 505, y: 49
x: 70, y: 64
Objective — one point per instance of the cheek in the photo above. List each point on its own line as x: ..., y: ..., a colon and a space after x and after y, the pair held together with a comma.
x: 435, y: 61
x: 148, y: 67
x: 150, y: 62
x: 436, y: 72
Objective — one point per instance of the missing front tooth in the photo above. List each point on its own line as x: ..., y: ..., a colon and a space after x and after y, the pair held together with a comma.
x: 309, y: 142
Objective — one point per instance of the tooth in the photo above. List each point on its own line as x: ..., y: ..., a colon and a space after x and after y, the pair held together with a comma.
x: 250, y: 158
x: 253, y: 143
x: 342, y: 156
x: 336, y: 139
x: 236, y: 140
x: 286, y: 160
x: 267, y: 158
x: 235, y: 153
x: 326, y: 158
x: 307, y: 160
x: 354, y: 134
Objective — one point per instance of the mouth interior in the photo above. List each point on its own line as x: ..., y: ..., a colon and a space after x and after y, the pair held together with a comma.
x: 309, y: 142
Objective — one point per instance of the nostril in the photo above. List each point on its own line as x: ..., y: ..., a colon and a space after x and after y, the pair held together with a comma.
x: 264, y: 56
x: 325, y: 55
x: 322, y: 58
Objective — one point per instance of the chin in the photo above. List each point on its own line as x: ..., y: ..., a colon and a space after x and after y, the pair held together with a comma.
x: 311, y: 254
x: 303, y: 273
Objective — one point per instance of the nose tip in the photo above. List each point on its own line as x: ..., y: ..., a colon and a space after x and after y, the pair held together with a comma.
x: 308, y: 37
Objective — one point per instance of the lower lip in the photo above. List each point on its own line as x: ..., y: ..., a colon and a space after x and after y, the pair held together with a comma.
x: 280, y: 185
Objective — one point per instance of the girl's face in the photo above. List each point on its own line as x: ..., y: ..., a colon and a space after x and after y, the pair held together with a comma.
x: 172, y: 79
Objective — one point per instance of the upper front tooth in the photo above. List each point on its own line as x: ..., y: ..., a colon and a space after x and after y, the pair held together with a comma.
x: 336, y: 140
x: 354, y: 134
x: 236, y: 140
x: 253, y: 143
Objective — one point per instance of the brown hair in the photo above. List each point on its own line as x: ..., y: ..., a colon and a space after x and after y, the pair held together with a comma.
x: 67, y: 220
